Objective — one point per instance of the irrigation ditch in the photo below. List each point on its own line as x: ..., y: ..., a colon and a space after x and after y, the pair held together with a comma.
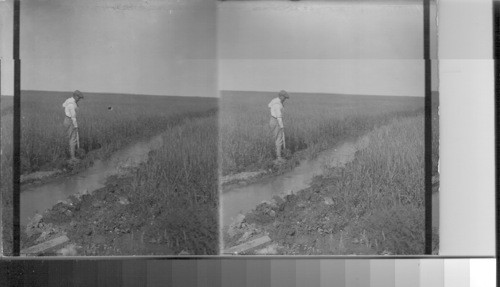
x: 87, y: 211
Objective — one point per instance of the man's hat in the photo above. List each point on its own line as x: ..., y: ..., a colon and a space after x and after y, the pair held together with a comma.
x: 284, y: 94
x: 78, y: 94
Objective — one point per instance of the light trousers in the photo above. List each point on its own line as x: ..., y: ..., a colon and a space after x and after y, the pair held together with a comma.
x: 71, y: 135
x: 278, y: 135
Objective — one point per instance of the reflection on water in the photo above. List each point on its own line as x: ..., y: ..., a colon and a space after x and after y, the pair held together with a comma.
x: 243, y: 199
x: 39, y: 198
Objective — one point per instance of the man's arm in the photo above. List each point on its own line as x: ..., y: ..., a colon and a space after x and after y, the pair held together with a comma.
x: 276, y: 112
x: 279, y: 115
x: 72, y: 113
x: 280, y: 122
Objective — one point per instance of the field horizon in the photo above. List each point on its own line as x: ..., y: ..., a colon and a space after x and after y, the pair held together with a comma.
x: 107, y: 122
x: 106, y: 93
x: 312, y: 122
x: 319, y: 93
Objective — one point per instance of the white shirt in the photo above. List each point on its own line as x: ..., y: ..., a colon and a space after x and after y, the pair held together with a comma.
x: 276, y: 107
x: 70, y: 108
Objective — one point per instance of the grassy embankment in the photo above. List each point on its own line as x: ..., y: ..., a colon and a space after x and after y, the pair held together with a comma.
x: 373, y: 205
x: 380, y: 195
x: 179, y: 185
x: 173, y: 199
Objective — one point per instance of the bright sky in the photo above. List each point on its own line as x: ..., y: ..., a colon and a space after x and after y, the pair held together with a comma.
x: 168, y: 47
x: 359, y: 77
x: 356, y: 47
x: 160, y: 47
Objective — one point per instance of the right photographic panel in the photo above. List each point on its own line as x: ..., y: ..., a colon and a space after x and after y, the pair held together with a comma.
x: 322, y: 127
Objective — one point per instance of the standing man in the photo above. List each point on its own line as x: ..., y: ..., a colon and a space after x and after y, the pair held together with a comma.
x: 276, y: 123
x: 70, y: 107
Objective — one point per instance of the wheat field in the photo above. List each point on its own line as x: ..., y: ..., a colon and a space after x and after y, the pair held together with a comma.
x: 107, y: 122
x: 313, y: 122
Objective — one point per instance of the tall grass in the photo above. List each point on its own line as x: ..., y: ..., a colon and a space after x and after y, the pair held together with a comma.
x: 6, y: 105
x: 381, y: 192
x: 106, y: 121
x: 175, y: 194
x: 312, y: 122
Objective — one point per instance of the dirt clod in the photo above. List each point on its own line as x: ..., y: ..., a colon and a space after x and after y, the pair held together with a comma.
x: 68, y: 250
x: 268, y: 250
x: 328, y: 201
x: 123, y: 200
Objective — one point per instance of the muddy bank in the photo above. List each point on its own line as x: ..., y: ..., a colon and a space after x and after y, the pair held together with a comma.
x: 91, y: 208
x: 36, y: 198
x: 101, y: 223
x: 242, y: 177
x: 243, y: 198
x: 60, y: 168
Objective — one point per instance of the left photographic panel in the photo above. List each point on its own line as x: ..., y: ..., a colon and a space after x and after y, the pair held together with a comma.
x: 118, y: 128
x: 6, y: 126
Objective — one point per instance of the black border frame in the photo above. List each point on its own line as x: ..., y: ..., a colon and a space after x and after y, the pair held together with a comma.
x: 16, y: 165
x: 428, y: 130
